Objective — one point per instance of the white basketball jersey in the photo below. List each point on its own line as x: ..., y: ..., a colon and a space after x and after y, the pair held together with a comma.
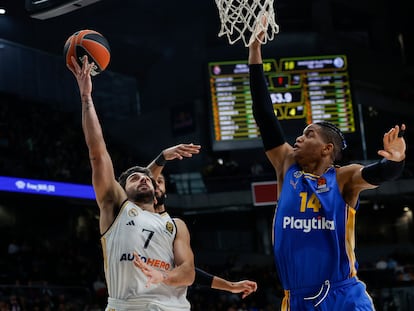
x: 151, y: 235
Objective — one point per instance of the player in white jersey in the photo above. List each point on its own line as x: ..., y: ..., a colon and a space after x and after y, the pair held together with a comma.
x: 154, y: 236
x: 203, y: 278
x: 129, y: 225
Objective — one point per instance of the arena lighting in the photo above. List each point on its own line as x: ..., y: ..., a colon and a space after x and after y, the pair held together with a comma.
x: 2, y: 11
x: 46, y: 187
x: 45, y: 9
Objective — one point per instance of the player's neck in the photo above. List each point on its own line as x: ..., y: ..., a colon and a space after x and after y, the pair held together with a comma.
x: 160, y: 208
x: 317, y: 169
x: 146, y: 206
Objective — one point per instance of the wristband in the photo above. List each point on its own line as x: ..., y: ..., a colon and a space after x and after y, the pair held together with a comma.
x: 160, y: 160
x: 203, y: 278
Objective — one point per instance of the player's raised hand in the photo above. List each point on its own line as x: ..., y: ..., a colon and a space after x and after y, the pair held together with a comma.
x: 394, y: 144
x: 181, y: 151
x: 82, y: 75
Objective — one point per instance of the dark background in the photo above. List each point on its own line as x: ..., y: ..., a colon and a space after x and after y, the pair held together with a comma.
x: 160, y: 51
x: 158, y: 70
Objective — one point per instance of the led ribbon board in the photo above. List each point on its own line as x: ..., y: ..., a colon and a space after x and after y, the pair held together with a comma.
x: 44, y: 187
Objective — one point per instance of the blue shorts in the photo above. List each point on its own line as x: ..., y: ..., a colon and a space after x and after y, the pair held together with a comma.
x: 348, y: 295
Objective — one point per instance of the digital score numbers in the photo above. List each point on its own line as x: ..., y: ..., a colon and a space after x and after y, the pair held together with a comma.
x: 306, y: 89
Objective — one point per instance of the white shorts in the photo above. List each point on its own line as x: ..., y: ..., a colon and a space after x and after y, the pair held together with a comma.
x: 141, y: 304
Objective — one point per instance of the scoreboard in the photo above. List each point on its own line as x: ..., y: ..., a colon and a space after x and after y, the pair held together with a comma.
x: 303, y: 90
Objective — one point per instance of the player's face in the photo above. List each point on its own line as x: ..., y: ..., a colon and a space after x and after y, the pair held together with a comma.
x: 308, y: 147
x: 160, y: 184
x: 139, y: 184
x: 160, y: 190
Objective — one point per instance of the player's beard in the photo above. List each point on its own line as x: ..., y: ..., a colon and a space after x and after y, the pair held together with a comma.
x: 160, y: 198
x: 143, y: 197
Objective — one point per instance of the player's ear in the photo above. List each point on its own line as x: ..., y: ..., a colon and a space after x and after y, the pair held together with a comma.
x: 328, y: 149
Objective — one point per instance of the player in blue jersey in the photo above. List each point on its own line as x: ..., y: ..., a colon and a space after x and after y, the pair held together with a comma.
x: 314, y: 221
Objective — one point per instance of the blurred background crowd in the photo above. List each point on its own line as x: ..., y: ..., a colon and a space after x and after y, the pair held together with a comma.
x: 50, y: 250
x: 156, y: 93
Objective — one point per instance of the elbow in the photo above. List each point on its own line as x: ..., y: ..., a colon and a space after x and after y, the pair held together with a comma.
x: 97, y: 151
x: 191, y: 277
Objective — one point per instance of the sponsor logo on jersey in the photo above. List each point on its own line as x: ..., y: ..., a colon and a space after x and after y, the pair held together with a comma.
x: 294, y: 183
x: 297, y: 174
x: 131, y: 223
x: 308, y: 224
x: 169, y: 227
x: 156, y: 263
x: 321, y: 185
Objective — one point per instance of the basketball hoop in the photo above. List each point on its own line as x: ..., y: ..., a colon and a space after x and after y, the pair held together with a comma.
x: 239, y: 20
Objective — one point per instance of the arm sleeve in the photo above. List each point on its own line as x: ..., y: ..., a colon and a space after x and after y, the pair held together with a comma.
x: 203, y: 278
x: 382, y: 171
x: 270, y: 129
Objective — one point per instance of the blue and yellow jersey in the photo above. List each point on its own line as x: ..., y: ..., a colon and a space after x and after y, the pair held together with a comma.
x: 313, y: 231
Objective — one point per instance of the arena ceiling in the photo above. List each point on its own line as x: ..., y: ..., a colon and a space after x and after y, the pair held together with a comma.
x: 141, y: 31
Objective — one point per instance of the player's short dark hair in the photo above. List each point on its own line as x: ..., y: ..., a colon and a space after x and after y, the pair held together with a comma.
x: 333, y: 134
x: 140, y: 169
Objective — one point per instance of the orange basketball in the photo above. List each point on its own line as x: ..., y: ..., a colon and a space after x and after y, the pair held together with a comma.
x: 90, y: 43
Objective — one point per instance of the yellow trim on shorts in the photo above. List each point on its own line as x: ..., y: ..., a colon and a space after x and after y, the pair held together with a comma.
x: 350, y: 240
x: 286, y: 302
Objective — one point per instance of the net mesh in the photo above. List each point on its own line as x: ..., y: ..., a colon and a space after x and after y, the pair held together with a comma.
x: 240, y: 20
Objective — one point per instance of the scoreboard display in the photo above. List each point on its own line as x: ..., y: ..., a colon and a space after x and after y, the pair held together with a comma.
x: 303, y: 90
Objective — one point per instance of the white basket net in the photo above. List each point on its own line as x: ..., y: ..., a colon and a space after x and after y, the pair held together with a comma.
x: 240, y: 20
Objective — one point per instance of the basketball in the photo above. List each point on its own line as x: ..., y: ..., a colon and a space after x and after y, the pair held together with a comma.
x: 91, y: 43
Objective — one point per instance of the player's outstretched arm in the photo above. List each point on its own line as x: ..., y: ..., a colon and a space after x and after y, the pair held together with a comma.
x: 107, y: 190
x: 271, y: 131
x: 180, y: 152
x: 246, y: 287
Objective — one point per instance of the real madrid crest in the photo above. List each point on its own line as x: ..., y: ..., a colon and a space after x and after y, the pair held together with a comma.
x: 133, y: 212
